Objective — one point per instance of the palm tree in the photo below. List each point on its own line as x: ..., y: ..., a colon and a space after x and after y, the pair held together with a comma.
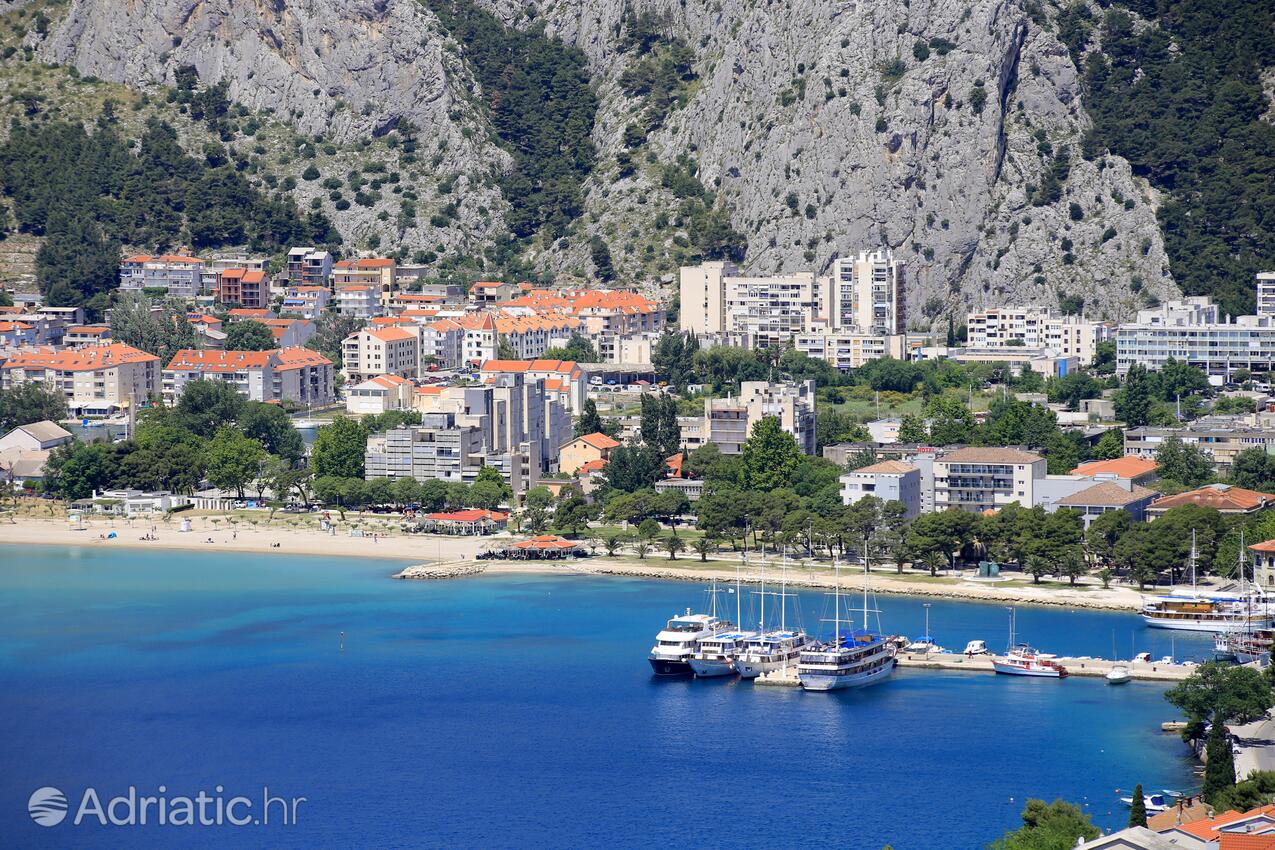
x: 673, y: 544
x: 612, y: 543
x: 703, y: 546
x: 933, y: 560
x: 641, y: 549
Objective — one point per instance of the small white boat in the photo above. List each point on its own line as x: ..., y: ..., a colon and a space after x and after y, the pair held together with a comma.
x: 1154, y: 802
x: 1025, y: 660
x: 1118, y: 675
x: 925, y: 644
x: 976, y: 647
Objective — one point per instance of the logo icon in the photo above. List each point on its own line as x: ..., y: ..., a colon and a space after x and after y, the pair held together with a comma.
x: 47, y: 806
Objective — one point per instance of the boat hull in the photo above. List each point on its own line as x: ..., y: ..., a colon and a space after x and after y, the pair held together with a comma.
x: 815, y: 681
x: 711, y: 668
x: 670, y: 667
x: 1191, y: 625
x: 753, y: 669
x: 1036, y: 673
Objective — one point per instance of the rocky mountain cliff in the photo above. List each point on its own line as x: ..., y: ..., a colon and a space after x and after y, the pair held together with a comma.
x: 948, y: 131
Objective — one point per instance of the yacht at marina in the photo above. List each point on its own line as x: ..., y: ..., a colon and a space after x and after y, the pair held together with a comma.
x: 772, y: 648
x: 679, y: 640
x: 850, y: 659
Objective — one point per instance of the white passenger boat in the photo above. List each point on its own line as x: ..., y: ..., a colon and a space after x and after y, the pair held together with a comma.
x: 1193, y: 611
x: 849, y: 659
x: 679, y: 639
x: 771, y: 648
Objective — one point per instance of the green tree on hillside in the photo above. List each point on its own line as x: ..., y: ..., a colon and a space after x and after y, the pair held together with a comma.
x: 1048, y: 826
x: 249, y: 336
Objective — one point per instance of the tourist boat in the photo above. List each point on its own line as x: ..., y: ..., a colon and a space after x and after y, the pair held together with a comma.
x: 774, y: 649
x: 1197, y: 612
x: 1244, y: 647
x: 679, y: 639
x: 715, y: 656
x: 848, y: 660
x: 925, y: 645
x: 1024, y: 660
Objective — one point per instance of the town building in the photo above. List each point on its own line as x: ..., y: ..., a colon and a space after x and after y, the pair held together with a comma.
x: 175, y: 274
x: 1044, y: 361
x: 1036, y: 327
x: 564, y: 379
x: 308, y: 267
x: 290, y: 333
x: 1110, y: 494
x: 78, y: 335
x: 306, y: 301
x: 379, y: 273
x: 850, y: 349
x: 1224, y: 498
x: 889, y: 481
x: 17, y: 334
x: 1191, y: 331
x: 486, y: 293
x: 979, y: 479
x: 381, y: 351
x: 97, y: 380
x: 296, y: 375
x: 360, y: 300
x: 530, y: 336
x: 380, y: 394
x: 864, y: 294
x: 1220, y: 439
x: 131, y: 502
x: 240, y: 287
x: 441, y: 342
x: 590, y: 448
x: 481, y: 341
x: 729, y: 421
x: 25, y: 450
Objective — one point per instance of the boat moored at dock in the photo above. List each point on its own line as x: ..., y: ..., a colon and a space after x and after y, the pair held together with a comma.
x: 1021, y: 659
x: 771, y: 651
x: 677, y: 641
x: 715, y: 656
x: 848, y: 660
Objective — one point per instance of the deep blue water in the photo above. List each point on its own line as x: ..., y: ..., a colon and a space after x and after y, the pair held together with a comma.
x: 519, y: 712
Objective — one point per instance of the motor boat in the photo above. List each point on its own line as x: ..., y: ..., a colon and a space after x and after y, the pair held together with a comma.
x: 1118, y: 675
x: 976, y: 647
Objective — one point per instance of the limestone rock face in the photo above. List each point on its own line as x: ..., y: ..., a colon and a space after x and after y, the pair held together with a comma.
x: 825, y: 126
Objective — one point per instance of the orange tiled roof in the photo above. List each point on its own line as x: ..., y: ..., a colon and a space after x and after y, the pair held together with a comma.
x: 600, y: 441
x: 90, y: 357
x: 1245, y: 841
x: 299, y: 357
x: 429, y: 390
x: 7, y: 327
x: 591, y: 466
x: 887, y: 467
x: 675, y: 464
x: 471, y: 515
x: 390, y: 334
x: 388, y: 381
x: 506, y: 366
x: 95, y: 330
x: 1207, y: 830
x: 1223, y: 497
x: 209, y: 360
x: 366, y: 263
x: 1129, y: 466
x: 250, y: 313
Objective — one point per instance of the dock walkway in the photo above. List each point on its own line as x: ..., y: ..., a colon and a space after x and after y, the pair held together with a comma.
x: 1096, y: 667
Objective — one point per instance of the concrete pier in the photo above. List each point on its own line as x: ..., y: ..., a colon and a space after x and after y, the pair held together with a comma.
x: 1154, y: 671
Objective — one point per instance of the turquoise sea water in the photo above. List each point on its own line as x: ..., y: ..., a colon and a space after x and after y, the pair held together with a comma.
x: 520, y: 712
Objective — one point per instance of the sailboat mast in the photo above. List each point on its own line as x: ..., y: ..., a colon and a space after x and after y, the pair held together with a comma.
x: 738, y: 599
x: 836, y: 602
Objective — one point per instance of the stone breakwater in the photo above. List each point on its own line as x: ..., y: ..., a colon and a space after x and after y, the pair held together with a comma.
x: 428, y: 572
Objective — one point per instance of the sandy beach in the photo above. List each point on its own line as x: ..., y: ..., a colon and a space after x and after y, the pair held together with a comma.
x: 434, y: 551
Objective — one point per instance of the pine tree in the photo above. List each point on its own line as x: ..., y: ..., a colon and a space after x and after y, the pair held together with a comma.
x: 1133, y: 401
x: 589, y: 422
x: 1138, y: 811
x: 1219, y: 771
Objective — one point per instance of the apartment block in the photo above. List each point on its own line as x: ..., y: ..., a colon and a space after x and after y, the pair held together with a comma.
x: 308, y: 267
x: 239, y: 287
x: 359, y: 300
x: 728, y: 422
x: 979, y: 479
x: 564, y: 379
x: 1036, y: 328
x: 177, y: 275
x: 290, y: 374
x: 81, y: 335
x: 864, y: 295
x: 1220, y: 438
x: 1191, y: 331
x: 306, y: 301
x: 850, y: 349
x: 95, y: 379
x: 531, y: 336
x: 888, y: 480
x: 380, y: 394
x: 17, y: 334
x: 391, y: 350
x: 380, y: 273
x: 442, y: 342
x: 439, y: 448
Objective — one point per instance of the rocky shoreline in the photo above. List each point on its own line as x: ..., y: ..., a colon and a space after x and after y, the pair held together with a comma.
x: 429, y: 572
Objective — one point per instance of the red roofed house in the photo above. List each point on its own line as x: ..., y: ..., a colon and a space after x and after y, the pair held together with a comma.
x: 1230, y: 830
x: 96, y: 379
x: 245, y: 288
x: 583, y: 450
x: 382, y: 350
x: 1222, y: 497
x: 378, y: 273
x: 288, y: 374
x: 176, y: 274
x: 16, y: 334
x: 442, y: 342
x: 359, y: 300
x: 377, y: 395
